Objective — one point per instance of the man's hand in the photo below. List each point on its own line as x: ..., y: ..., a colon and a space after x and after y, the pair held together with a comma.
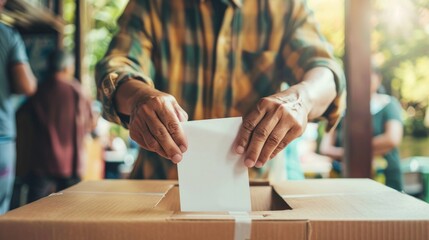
x: 273, y: 124
x: 155, y: 120
x: 280, y: 118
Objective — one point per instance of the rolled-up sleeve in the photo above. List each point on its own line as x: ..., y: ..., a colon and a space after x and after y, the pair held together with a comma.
x: 305, y: 48
x: 128, y: 57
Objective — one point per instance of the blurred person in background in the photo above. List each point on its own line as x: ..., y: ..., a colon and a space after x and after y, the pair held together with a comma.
x: 16, y: 77
x: 61, y: 116
x: 387, y: 130
x: 177, y: 60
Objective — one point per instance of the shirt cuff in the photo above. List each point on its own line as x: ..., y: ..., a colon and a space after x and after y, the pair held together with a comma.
x: 107, y: 90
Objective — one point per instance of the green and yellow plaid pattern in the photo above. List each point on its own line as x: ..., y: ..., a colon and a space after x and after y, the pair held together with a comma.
x: 173, y: 45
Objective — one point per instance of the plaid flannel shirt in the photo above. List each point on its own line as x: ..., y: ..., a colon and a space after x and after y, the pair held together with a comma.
x: 173, y: 46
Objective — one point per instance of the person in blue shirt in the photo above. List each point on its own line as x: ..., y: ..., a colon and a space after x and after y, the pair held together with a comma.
x: 387, y: 130
x: 16, y: 77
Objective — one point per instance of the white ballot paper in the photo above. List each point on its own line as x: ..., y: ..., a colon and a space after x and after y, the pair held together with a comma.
x: 212, y: 177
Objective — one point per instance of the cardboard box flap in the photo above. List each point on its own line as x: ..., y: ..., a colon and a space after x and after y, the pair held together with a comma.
x: 318, y: 187
x: 370, y: 207
x: 91, y: 207
x: 122, y: 186
x: 369, y: 202
x: 117, y: 200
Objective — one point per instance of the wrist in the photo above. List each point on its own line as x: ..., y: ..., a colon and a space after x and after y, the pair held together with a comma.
x: 129, y: 93
x: 296, y: 97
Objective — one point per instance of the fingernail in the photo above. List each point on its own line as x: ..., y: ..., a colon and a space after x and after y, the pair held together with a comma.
x: 176, y: 158
x: 240, y: 149
x: 259, y: 164
x: 183, y: 148
x: 249, y: 163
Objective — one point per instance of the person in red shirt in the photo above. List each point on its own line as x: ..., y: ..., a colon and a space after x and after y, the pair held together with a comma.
x: 62, y: 116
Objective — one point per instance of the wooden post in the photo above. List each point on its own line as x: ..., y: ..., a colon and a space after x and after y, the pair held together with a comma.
x: 78, y: 38
x: 358, y: 148
x: 58, y: 6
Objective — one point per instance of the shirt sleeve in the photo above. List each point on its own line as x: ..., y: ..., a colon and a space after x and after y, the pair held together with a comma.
x: 17, y: 52
x: 305, y: 48
x: 393, y: 110
x: 128, y: 57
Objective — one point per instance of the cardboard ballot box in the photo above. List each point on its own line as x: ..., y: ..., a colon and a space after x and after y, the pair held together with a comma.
x: 311, y: 209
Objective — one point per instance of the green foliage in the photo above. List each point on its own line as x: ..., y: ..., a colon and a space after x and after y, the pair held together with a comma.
x: 411, y: 80
x: 402, y: 51
x: 105, y: 13
x: 100, y: 25
x: 399, y: 44
x: 69, y: 12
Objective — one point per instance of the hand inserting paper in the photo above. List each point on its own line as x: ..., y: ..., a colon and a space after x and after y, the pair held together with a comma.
x: 271, y: 126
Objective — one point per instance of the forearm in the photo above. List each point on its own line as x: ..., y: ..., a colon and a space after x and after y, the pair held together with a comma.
x: 24, y: 81
x: 328, y: 148
x: 319, y: 84
x: 381, y: 145
x: 316, y: 92
x: 390, y: 139
x: 336, y: 153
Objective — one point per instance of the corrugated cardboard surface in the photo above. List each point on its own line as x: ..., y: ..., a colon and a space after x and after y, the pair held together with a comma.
x: 314, y: 209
